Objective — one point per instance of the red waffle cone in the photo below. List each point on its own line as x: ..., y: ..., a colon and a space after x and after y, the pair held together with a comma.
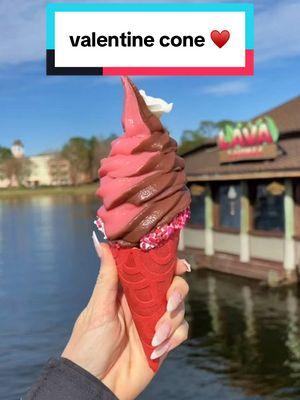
x: 146, y: 277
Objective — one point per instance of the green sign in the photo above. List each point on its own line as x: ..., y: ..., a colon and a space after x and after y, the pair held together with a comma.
x: 252, y: 140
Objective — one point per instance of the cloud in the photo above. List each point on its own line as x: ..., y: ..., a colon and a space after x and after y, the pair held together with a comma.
x: 277, y: 31
x: 21, y: 29
x: 227, y: 88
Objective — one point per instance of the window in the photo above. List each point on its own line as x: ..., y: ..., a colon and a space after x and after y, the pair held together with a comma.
x: 197, y: 205
x: 269, y: 207
x: 230, y: 206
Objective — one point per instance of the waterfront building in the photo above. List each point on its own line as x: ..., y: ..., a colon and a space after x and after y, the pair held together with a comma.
x: 39, y: 171
x: 59, y: 170
x: 47, y: 169
x: 17, y: 149
x: 245, y: 187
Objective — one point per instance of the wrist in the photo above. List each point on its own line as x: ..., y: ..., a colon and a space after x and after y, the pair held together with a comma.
x: 120, y: 387
x: 77, y: 360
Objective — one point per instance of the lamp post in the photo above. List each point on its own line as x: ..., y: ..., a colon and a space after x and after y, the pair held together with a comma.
x: 244, y: 232
x: 232, y: 196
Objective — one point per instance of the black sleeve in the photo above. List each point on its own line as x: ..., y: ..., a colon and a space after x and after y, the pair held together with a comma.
x: 64, y: 380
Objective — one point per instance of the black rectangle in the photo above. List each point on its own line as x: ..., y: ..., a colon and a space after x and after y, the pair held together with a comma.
x: 52, y: 70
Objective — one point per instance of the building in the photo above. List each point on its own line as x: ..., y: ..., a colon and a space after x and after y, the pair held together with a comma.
x: 17, y: 149
x: 59, y: 170
x: 47, y: 169
x: 39, y: 171
x: 245, y: 188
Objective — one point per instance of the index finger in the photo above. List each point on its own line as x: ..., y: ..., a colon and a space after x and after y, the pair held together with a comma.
x: 182, y: 267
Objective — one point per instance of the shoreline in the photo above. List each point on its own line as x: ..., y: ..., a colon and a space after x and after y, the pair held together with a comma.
x: 10, y: 193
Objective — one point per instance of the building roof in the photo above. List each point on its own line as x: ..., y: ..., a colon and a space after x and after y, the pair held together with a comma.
x: 203, y: 163
x: 18, y: 143
x: 286, y: 116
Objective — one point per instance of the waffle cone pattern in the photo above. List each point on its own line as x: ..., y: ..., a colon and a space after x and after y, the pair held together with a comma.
x: 146, y: 277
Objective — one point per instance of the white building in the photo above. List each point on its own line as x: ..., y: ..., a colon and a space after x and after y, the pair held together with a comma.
x: 17, y: 149
x: 45, y: 169
x: 40, y: 171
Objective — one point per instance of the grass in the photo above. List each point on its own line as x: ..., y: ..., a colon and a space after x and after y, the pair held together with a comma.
x: 49, y: 190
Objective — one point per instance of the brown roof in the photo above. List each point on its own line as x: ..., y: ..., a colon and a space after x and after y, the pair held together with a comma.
x: 203, y: 163
x: 286, y: 116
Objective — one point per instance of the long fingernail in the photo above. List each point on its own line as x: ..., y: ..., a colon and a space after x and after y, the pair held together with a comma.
x: 174, y: 301
x: 161, y: 334
x: 96, y: 244
x: 187, y: 265
x: 159, y: 352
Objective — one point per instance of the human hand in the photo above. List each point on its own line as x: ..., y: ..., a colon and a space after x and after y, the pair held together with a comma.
x: 105, y: 341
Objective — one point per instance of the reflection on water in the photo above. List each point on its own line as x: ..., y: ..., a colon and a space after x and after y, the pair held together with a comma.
x: 245, y: 340
x: 250, y: 327
x: 293, y: 334
x: 46, y: 274
x: 213, y: 306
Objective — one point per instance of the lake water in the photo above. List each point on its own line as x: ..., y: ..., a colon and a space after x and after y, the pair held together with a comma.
x: 245, y: 340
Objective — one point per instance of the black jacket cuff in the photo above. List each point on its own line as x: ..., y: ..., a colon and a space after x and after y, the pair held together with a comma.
x: 64, y: 380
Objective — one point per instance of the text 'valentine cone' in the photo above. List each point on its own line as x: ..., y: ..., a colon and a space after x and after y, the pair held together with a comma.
x: 146, y: 277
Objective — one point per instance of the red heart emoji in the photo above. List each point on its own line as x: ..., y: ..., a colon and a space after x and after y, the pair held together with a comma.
x: 220, y: 38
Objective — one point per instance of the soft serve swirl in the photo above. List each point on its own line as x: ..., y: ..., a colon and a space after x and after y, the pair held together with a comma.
x: 142, y: 181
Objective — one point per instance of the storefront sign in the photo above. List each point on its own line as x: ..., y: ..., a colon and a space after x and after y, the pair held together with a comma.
x: 275, y: 188
x: 249, y: 141
x: 197, y: 190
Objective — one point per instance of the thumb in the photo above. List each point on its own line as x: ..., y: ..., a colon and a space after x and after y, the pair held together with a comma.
x: 106, y: 289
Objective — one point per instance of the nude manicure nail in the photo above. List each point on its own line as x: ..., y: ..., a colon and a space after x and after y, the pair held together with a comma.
x: 159, y: 352
x: 161, y: 334
x: 174, y: 301
x: 96, y: 244
x: 188, y: 265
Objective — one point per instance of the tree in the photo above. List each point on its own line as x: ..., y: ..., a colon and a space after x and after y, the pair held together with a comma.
x: 59, y: 169
x: 84, y: 156
x: 5, y: 153
x: 191, y: 139
x: 97, y: 153
x: 99, y: 149
x: 77, y: 152
x: 15, y: 169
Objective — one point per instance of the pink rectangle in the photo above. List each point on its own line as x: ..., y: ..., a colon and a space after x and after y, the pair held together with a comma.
x: 247, y: 70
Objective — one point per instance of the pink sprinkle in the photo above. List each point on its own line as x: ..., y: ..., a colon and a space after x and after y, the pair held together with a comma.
x: 161, y: 234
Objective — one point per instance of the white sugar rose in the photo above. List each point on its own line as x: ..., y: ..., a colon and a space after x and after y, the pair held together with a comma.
x: 156, y: 106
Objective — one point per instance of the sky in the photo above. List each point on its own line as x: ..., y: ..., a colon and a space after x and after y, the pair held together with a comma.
x: 45, y: 111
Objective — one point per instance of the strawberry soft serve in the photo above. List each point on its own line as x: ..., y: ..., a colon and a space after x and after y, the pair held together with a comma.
x: 142, y: 180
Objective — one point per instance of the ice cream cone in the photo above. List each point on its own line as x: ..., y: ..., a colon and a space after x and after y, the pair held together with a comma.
x: 146, y: 277
x: 145, y: 204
